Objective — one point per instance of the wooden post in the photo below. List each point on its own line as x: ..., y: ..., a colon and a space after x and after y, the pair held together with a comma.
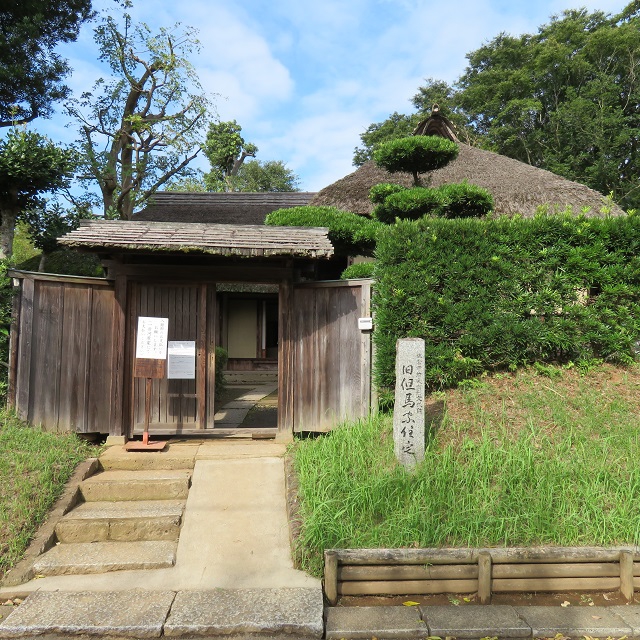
x: 484, y: 577
x: 331, y: 576
x: 626, y: 575
x: 120, y: 339
x: 286, y: 375
x: 14, y: 340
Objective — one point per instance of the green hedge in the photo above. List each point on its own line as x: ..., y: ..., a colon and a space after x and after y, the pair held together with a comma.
x: 358, y: 270
x: 415, y: 154
x: 459, y: 200
x: 497, y: 294
x: 349, y: 233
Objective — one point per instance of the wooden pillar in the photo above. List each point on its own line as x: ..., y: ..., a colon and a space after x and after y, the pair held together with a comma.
x: 286, y: 377
x: 118, y: 426
x: 201, y: 359
x: 484, y: 577
x: 365, y: 352
x: 23, y: 373
x: 14, y: 341
x: 626, y: 575
x: 331, y: 576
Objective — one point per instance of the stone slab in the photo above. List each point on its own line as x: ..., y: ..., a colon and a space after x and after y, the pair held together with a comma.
x: 408, y: 412
x: 598, y: 622
x: 231, y: 416
x: 102, y: 557
x: 123, y: 521
x: 173, y: 456
x: 229, y: 450
x: 631, y: 615
x: 475, y: 621
x: 247, y: 611
x: 379, y: 622
x: 147, y: 484
x: 128, y: 614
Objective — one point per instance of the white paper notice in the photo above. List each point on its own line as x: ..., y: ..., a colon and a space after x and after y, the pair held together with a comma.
x: 151, y: 342
x: 182, y: 360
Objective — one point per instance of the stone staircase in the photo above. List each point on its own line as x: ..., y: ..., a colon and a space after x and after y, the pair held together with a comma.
x: 129, y: 517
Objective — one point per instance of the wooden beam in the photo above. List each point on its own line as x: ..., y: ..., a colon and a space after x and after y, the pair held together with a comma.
x: 407, y: 587
x: 23, y: 376
x: 14, y: 341
x: 331, y: 577
x: 626, y: 575
x: 201, y: 374
x: 119, y: 355
x: 484, y: 577
x: 285, y: 359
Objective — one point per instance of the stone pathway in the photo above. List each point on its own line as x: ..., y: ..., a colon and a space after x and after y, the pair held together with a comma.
x: 232, y: 414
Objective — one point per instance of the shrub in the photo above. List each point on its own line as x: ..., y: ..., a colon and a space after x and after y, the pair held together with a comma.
x: 497, y: 294
x: 415, y: 154
x: 409, y: 204
x: 462, y: 200
x: 379, y: 192
x: 221, y: 363
x: 358, y: 270
x: 349, y: 233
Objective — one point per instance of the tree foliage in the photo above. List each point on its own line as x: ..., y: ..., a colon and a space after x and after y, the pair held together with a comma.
x: 31, y: 72
x: 271, y: 175
x: 30, y: 166
x: 565, y: 99
x: 226, y: 150
x: 140, y: 128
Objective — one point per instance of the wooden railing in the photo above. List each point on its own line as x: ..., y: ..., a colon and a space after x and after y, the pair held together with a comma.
x: 481, y: 571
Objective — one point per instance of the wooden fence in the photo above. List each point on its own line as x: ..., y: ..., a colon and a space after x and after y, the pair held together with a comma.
x: 62, y: 352
x: 481, y: 571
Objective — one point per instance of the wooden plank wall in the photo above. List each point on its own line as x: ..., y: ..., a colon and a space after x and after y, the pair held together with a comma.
x: 62, y: 353
x: 331, y: 358
x: 175, y: 404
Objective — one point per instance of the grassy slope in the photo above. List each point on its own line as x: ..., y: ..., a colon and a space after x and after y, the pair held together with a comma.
x: 34, y: 467
x: 540, y: 456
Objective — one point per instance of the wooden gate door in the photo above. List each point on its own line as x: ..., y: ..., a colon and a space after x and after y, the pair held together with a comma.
x: 331, y: 356
x: 177, y: 406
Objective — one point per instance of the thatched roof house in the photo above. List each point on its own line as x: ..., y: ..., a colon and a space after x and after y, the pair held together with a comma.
x: 517, y: 188
x: 218, y: 208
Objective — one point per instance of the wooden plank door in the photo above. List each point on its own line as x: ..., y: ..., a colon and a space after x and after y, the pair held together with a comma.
x: 176, y: 405
x: 330, y: 357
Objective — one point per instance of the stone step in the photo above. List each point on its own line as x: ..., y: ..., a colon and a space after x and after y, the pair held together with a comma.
x: 221, y: 613
x: 122, y: 485
x: 122, y: 521
x: 180, y: 456
x: 101, y: 557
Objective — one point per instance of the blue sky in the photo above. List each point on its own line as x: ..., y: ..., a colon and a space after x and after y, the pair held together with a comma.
x: 305, y: 79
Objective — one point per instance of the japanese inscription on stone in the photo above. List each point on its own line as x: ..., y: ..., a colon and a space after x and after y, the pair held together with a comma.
x: 408, y: 415
x: 151, y: 342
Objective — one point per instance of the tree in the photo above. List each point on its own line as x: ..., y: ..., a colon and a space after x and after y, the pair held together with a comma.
x: 399, y: 126
x: 566, y: 99
x: 30, y: 165
x: 271, y: 175
x: 140, y: 129
x: 48, y: 221
x: 226, y: 150
x: 31, y: 73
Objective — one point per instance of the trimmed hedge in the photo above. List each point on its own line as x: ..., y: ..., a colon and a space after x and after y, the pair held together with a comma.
x: 380, y: 192
x: 498, y: 294
x: 358, y: 270
x: 462, y: 200
x: 349, y: 233
x: 459, y: 200
x: 415, y: 154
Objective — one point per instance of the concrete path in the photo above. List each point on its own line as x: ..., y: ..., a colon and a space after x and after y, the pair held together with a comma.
x: 480, y: 621
x: 235, y: 532
x: 232, y: 414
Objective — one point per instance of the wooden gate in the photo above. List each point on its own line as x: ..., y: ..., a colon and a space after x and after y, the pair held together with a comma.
x: 329, y: 365
x: 63, y: 352
x: 176, y: 405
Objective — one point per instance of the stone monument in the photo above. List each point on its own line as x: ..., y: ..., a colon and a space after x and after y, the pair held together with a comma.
x: 408, y: 414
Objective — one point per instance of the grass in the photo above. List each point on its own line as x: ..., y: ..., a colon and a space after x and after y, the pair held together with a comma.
x: 34, y: 467
x: 545, y: 456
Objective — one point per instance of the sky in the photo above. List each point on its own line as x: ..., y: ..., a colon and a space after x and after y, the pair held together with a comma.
x: 305, y: 79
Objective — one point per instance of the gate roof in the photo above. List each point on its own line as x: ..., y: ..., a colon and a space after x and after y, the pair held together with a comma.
x: 216, y: 239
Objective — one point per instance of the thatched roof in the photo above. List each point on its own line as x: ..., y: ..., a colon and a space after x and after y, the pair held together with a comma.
x: 517, y: 188
x: 215, y: 239
x: 219, y: 208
